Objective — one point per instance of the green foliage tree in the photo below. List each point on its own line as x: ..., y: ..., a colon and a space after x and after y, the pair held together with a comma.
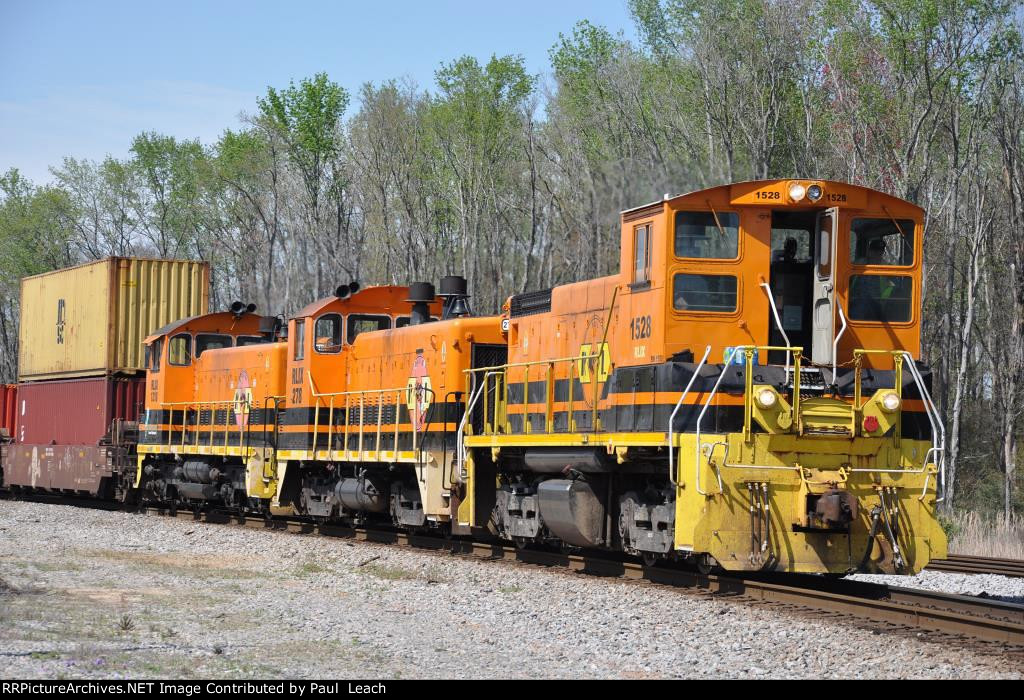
x: 921, y: 98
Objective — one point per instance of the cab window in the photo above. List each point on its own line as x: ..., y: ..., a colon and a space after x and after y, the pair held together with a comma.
x: 704, y: 293
x: 327, y: 334
x: 642, y: 254
x: 155, y: 349
x: 364, y: 323
x: 700, y: 234
x: 179, y: 350
x: 243, y: 340
x: 300, y: 339
x: 211, y: 341
x: 887, y: 242
x: 403, y: 321
x: 885, y: 298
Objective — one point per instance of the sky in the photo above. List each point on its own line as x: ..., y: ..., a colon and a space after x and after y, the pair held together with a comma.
x: 81, y: 78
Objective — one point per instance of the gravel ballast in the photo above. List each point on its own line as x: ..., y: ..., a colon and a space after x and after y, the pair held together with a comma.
x: 88, y: 594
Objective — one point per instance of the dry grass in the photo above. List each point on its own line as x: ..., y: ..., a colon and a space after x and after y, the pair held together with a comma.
x: 978, y: 535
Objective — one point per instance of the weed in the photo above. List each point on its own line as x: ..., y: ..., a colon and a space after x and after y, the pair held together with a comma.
x: 311, y: 567
x: 973, y: 534
x: 126, y: 623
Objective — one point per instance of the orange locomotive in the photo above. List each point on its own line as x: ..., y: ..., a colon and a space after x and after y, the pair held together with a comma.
x: 745, y: 392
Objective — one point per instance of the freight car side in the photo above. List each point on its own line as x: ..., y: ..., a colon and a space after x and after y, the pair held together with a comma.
x: 75, y: 436
x: 8, y: 411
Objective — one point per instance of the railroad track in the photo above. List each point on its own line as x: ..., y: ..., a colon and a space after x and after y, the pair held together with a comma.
x: 965, y: 564
x: 880, y: 607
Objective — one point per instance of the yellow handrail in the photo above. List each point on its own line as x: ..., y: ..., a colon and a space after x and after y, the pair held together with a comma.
x: 501, y: 411
x: 360, y: 395
x: 198, y: 406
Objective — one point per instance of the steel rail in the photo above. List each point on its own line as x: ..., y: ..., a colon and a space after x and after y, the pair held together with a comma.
x: 970, y: 564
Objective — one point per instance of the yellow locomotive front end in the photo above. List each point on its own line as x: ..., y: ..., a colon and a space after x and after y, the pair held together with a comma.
x: 746, y: 392
x: 814, y: 482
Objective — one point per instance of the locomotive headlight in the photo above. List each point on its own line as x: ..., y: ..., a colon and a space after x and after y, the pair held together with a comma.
x: 797, y: 191
x: 766, y: 398
x: 814, y: 193
x: 890, y: 401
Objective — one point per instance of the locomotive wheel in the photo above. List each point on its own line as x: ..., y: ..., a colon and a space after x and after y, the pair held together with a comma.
x: 650, y: 559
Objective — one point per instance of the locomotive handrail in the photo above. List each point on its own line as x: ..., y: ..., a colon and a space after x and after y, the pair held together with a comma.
x: 858, y: 356
x: 672, y: 418
x: 749, y: 350
x: 778, y: 323
x: 197, y: 406
x: 700, y: 418
x: 348, y: 395
x: 549, y: 380
x: 901, y: 357
x: 835, y: 343
x: 277, y: 401
x: 938, y: 448
x: 938, y: 429
x: 470, y: 405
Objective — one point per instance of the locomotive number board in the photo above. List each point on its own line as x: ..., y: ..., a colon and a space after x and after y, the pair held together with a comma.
x: 777, y: 194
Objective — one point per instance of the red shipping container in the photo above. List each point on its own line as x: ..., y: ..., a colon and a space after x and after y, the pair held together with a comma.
x: 8, y: 408
x: 75, y: 411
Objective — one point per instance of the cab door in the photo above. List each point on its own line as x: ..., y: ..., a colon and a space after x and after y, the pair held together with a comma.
x: 826, y: 229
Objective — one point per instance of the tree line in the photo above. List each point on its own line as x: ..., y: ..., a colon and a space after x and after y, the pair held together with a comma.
x: 516, y: 180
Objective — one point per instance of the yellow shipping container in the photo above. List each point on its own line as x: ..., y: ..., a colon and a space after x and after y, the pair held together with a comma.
x: 91, y: 319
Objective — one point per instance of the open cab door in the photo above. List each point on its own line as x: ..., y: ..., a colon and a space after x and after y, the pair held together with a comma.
x: 824, y: 315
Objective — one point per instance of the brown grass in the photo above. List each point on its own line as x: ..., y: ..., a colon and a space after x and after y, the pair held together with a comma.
x: 983, y: 536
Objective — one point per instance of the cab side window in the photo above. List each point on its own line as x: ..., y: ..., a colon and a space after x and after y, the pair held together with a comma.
x: 403, y: 321
x: 154, y: 354
x: 300, y: 340
x: 327, y: 334
x: 179, y: 350
x: 211, y: 341
x: 365, y: 323
x: 642, y: 254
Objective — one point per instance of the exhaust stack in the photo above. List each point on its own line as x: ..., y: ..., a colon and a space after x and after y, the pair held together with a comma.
x: 455, y: 293
x: 420, y: 294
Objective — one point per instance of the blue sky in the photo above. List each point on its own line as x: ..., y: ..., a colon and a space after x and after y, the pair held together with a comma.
x: 81, y: 78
